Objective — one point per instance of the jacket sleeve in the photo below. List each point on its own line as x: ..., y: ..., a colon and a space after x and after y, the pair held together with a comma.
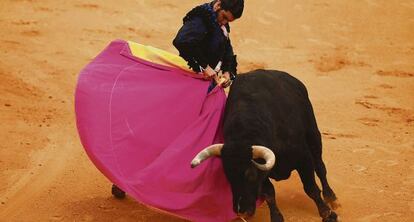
x: 229, y: 61
x: 188, y: 41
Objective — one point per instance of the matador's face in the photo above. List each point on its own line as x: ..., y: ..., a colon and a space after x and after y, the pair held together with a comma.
x: 223, y: 16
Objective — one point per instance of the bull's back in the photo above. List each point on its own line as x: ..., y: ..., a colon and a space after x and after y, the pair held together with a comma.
x: 275, y: 103
x: 268, y: 87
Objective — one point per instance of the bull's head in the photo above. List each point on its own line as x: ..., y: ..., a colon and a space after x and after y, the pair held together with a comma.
x: 244, y: 173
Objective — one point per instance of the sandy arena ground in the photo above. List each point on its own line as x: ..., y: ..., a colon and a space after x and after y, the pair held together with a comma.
x: 355, y: 57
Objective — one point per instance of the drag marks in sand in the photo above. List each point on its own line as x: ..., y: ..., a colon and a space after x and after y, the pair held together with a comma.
x: 395, y: 73
x: 369, y: 121
x: 87, y: 6
x: 330, y: 135
x: 31, y: 33
x: 407, y: 116
x: 25, y: 22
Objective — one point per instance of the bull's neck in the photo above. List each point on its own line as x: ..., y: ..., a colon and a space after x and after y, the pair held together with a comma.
x: 252, y: 133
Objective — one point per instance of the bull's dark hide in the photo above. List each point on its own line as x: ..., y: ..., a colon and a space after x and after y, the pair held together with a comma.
x: 271, y: 108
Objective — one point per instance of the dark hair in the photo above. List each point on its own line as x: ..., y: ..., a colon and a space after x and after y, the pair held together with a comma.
x: 234, y: 6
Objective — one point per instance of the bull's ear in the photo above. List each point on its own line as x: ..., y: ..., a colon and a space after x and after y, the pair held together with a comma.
x: 213, y: 150
x: 266, y: 154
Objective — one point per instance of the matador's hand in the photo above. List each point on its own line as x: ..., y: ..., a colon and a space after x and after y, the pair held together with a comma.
x: 209, y: 73
x: 227, y: 82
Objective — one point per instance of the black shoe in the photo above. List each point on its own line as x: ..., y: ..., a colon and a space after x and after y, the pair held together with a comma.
x: 117, y: 192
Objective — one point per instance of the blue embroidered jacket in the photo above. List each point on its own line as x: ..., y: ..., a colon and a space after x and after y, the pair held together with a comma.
x: 201, y: 41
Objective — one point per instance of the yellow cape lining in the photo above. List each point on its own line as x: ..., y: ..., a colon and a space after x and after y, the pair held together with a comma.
x: 157, y: 56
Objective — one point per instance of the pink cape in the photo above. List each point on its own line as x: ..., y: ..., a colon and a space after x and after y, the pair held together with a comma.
x: 141, y: 124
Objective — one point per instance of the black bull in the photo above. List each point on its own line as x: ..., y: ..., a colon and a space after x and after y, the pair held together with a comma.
x: 270, y: 109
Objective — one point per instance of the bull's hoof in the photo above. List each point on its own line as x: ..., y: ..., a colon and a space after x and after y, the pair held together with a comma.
x: 329, y: 196
x: 334, y: 204
x: 332, y: 217
x: 117, y: 192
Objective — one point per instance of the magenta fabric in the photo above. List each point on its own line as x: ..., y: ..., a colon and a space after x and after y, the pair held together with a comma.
x: 142, y: 123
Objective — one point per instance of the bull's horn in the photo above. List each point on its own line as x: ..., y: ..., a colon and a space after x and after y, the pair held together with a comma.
x: 213, y: 150
x: 266, y: 154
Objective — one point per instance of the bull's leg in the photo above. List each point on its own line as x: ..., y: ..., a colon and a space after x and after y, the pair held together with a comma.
x: 315, y: 146
x: 268, y: 191
x: 307, y: 175
x: 117, y: 192
x: 328, y: 194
